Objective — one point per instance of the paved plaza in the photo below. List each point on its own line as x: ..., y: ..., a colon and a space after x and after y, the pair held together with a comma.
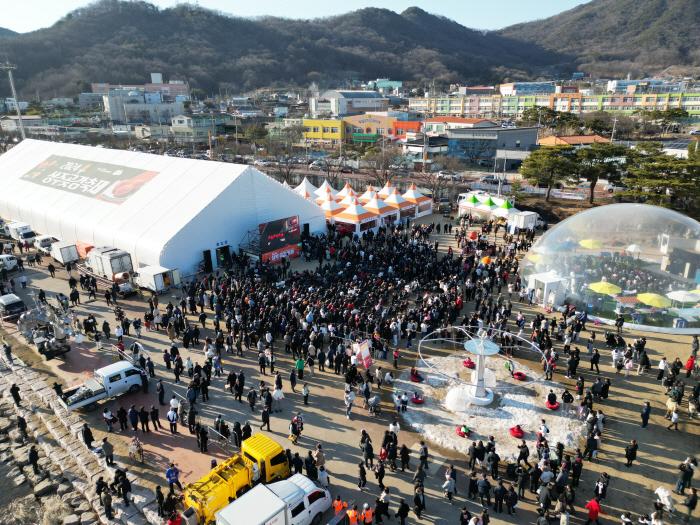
x: 631, y: 489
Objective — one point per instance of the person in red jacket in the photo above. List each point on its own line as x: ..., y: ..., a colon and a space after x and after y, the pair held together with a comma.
x: 689, y: 366
x: 175, y: 519
x: 593, y: 510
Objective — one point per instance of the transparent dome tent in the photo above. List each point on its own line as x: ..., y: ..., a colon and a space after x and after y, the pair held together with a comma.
x: 637, y: 260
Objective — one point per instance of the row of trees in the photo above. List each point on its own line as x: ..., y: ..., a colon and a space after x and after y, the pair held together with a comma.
x: 647, y: 171
x: 641, y: 122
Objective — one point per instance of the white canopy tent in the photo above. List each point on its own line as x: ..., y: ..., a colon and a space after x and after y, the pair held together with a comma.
x: 164, y: 211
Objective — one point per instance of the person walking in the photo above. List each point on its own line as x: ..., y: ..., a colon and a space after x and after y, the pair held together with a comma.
x: 690, y: 502
x: 646, y: 412
x: 484, y: 488
x: 361, y: 476
x: 402, y: 511
x: 265, y: 418
x: 349, y: 400
x: 594, y: 510
x: 675, y: 418
x: 631, y: 452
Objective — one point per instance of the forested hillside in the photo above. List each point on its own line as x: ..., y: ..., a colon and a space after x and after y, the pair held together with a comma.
x: 114, y: 41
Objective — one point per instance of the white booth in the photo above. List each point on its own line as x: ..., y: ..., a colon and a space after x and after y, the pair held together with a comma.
x: 549, y: 290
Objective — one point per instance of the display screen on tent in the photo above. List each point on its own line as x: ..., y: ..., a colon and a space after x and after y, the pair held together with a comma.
x: 279, y: 239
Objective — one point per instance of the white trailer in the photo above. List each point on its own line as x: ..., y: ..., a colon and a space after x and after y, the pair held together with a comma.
x: 156, y: 278
x: 108, y: 262
x: 64, y: 252
x: 525, y: 220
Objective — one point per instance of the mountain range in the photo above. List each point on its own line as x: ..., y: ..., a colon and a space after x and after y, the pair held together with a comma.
x: 116, y: 41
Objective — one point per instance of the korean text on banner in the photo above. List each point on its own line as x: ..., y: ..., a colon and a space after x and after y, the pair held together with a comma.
x: 365, y: 355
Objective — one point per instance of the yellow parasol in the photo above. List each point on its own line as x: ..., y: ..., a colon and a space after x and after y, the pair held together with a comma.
x: 591, y: 244
x: 654, y: 299
x: 605, y: 288
x: 538, y: 258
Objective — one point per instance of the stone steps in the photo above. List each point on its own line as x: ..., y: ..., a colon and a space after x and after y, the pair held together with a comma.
x: 68, y: 467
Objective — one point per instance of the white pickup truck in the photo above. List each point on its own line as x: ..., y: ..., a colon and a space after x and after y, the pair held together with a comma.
x: 110, y: 381
x: 294, y: 501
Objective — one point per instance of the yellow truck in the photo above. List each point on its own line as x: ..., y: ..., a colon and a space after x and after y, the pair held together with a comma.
x: 261, y: 460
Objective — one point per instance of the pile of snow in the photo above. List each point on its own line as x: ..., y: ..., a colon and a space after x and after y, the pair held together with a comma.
x: 447, y: 406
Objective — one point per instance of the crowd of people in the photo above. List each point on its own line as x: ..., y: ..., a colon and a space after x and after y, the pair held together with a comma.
x: 390, y: 288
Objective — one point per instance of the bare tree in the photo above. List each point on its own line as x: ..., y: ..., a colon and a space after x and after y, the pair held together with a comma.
x: 433, y: 181
x: 382, y: 165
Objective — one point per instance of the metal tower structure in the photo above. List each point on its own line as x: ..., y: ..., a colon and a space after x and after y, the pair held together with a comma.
x: 9, y: 67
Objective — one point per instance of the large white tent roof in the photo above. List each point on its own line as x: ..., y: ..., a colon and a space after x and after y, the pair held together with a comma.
x: 162, y: 210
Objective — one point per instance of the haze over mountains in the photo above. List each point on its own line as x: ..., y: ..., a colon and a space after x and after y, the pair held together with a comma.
x: 123, y: 42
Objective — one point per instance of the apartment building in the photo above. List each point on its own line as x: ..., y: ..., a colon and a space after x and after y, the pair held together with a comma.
x: 197, y: 129
x: 497, y: 107
x: 339, y: 103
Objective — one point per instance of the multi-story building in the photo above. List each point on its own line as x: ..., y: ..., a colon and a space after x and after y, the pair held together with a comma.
x: 11, y: 105
x: 152, y: 131
x: 337, y: 103
x: 475, y: 90
x: 498, y: 107
x: 197, y: 129
x: 371, y: 127
x: 485, y: 146
x: 384, y: 85
x: 645, y: 85
x: 440, y: 125
x: 327, y: 133
x: 89, y: 100
x: 134, y: 108
x: 527, y: 88
x: 10, y: 123
x: 173, y: 91
x: 406, y: 127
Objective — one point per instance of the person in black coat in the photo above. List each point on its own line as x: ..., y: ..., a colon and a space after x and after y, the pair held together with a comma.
x: 402, y: 512
x: 418, y: 502
x: 87, y: 436
x: 122, y: 417
x: 631, y: 452
x: 143, y: 417
x: 34, y: 459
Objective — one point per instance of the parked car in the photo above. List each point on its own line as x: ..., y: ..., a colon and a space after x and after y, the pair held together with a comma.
x: 317, y: 167
x: 694, y: 131
x: 444, y: 204
x: 262, y: 163
x: 489, y: 179
x: 349, y: 169
x: 615, y: 187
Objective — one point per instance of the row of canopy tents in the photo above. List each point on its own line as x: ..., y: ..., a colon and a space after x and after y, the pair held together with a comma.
x: 487, y: 204
x: 368, y: 211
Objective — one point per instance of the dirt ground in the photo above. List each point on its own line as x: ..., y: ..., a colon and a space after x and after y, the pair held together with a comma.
x: 660, y: 451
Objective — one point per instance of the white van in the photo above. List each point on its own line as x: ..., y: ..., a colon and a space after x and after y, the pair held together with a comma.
x: 8, y: 262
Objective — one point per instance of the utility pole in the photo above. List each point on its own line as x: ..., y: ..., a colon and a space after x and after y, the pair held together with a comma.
x: 612, y: 136
x: 9, y: 67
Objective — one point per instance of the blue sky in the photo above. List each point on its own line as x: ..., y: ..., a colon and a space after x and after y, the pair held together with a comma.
x: 29, y: 15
